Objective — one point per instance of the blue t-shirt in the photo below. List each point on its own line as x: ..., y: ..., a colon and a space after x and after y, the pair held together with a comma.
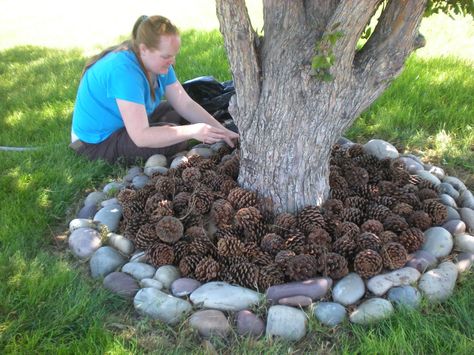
x: 116, y: 76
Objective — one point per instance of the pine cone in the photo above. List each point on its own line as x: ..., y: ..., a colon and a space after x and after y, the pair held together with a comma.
x: 427, y: 194
x: 387, y: 188
x: 347, y: 228
x: 230, y: 246
x: 332, y: 223
x: 410, y: 198
x: 346, y: 246
x: 146, y: 236
x: 166, y: 186
x: 283, y: 256
x: 356, y: 176
x: 245, y: 274
x: 207, y: 269
x: 230, y: 167
x: 222, y: 213
x: 436, y: 210
x: 262, y: 258
x: 353, y: 215
x: 202, y: 246
x: 320, y: 237
x: 164, y: 208
x: 296, y: 242
x: 394, y: 255
x: 372, y: 226
x: 368, y: 263
x: 265, y: 206
x: 153, y: 202
x: 337, y: 182
x: 335, y: 266
x: 201, y: 200
x: 251, y: 221
x: 378, y: 212
x: 270, y: 275
x: 355, y: 150
x: 301, y: 267
x: 412, y: 239
x: 188, y: 264
x: 229, y: 231
x: 180, y: 202
x: 180, y: 250
x: 368, y: 240
x: 387, y: 201
x: 169, y: 229
x: 284, y: 223
x: 395, y: 223
x: 241, y: 198
x: 400, y: 177
x: 227, y: 186
x: 403, y: 209
x: 132, y: 227
x: 195, y: 232
x: 420, y: 219
x: 309, y: 218
x: 356, y: 202
x: 370, y: 192
x: 387, y: 237
x: 333, y: 206
x: 159, y: 254
x: 272, y: 243
x: 191, y: 176
x: 340, y: 194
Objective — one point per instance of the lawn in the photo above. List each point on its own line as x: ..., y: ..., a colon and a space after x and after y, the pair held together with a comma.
x: 50, y: 305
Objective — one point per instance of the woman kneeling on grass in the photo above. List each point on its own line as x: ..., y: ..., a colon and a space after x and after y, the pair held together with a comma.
x: 118, y: 111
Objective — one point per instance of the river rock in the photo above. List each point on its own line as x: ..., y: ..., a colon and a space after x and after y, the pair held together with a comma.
x: 455, y: 226
x: 83, y: 242
x: 447, y: 200
x: 372, y: 310
x: 464, y: 261
x: 296, y: 301
x: 184, y: 286
x: 156, y: 160
x: 104, y: 261
x: 464, y: 242
x: 94, y: 198
x: 140, y: 181
x: 438, y: 242
x: 166, y: 274
x: 209, y: 323
x: 121, y: 284
x: 87, y: 212
x: 405, y: 296
x: 437, y: 171
x: 452, y: 214
x: 109, y: 216
x: 447, y: 189
x: 314, y: 288
x: 380, y: 284
x: 112, y: 188
x: 411, y: 165
x: 178, y: 161
x: 110, y: 201
x: 248, y: 323
x: 438, y: 284
x: 151, y: 283
x: 218, y: 145
x: 151, y: 170
x: 467, y: 215
x: 330, y: 313
x: 349, y: 289
x: 458, y: 184
x: 159, y: 305
x: 425, y: 175
x: 81, y: 223
x: 131, y: 173
x: 203, y: 152
x: 139, y: 270
x: 222, y: 296
x: 286, y: 322
x: 422, y: 260
x: 381, y: 149
x: 119, y: 242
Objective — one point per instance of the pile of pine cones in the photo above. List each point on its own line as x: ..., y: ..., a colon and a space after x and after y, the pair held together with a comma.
x: 198, y: 218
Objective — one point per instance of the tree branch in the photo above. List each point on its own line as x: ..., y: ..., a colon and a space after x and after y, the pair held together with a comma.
x: 383, y: 56
x: 239, y: 40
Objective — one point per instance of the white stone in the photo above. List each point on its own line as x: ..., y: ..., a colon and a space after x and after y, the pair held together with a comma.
x: 429, y: 177
x: 149, y: 171
x: 139, y: 270
x: 109, y: 216
x: 286, y: 322
x: 94, y: 198
x: 156, y: 160
x: 83, y: 242
x: 349, y: 289
x: 159, y: 305
x: 438, y: 241
x: 120, y: 243
x: 380, y: 284
x: 381, y: 149
x: 437, y: 171
x: 166, y: 274
x: 438, y: 284
x: 222, y: 296
x: 77, y: 223
x: 464, y: 242
x: 372, y: 310
x: 151, y: 283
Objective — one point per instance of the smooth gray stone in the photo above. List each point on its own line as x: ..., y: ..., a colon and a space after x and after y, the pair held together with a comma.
x: 437, y: 171
x: 94, y: 198
x: 139, y: 181
x: 139, y: 270
x: 218, y: 145
x: 178, y: 161
x: 458, y: 184
x: 286, y: 322
x: 422, y: 260
x: 166, y: 274
x: 466, y: 199
x: 113, y: 187
x: 159, y: 305
x: 119, y: 242
x: 438, y: 284
x: 77, y: 223
x: 249, y: 324
x: 455, y: 226
x: 184, y: 286
x: 414, y: 157
x: 314, y: 288
x: 428, y: 176
x: 464, y: 242
x: 464, y: 261
x: 87, y: 212
x: 452, y: 214
x: 467, y: 215
x: 110, y: 201
x: 203, y: 152
x: 209, y: 323
x: 296, y: 301
x: 406, y: 296
x: 438, y: 242
x: 202, y: 145
x: 150, y: 170
x: 381, y: 149
x: 447, y: 200
x: 132, y: 172
x: 349, y: 289
x: 222, y: 296
x: 448, y: 189
x: 83, y: 242
x: 330, y: 313
x: 380, y: 284
x: 151, y: 283
x: 104, y: 261
x: 109, y: 216
x: 411, y: 165
x: 156, y: 160
x: 343, y: 140
x: 138, y: 257
x: 122, y: 284
x: 372, y: 310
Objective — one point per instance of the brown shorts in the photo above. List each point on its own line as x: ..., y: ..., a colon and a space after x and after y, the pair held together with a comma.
x: 120, y: 146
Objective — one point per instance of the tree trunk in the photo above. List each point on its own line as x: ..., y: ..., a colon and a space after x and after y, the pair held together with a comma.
x: 288, y: 118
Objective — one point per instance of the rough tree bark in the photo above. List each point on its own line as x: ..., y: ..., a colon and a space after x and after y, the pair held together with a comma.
x: 289, y: 119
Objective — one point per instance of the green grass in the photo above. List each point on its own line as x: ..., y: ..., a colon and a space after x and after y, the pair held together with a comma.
x: 49, y: 304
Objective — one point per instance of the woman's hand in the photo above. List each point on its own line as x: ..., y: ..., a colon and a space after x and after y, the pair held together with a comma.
x: 209, y: 134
